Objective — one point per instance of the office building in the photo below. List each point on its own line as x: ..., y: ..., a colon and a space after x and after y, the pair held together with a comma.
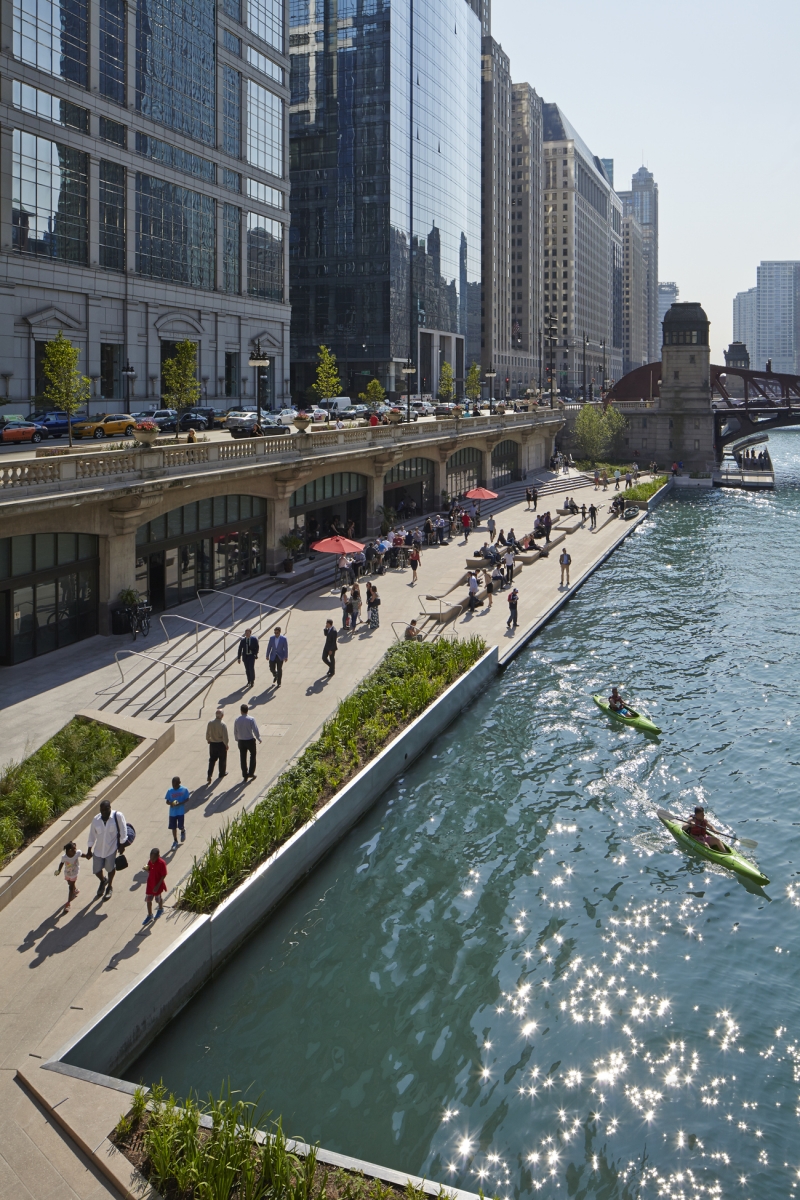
x: 523, y: 369
x: 385, y: 169
x: 643, y: 198
x: 582, y: 261
x: 745, y: 321
x: 144, y: 194
x: 778, y: 317
x: 634, y: 294
x: 668, y: 294
x: 495, y: 210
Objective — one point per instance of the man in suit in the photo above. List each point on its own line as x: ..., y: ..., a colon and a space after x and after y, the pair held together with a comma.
x: 329, y: 652
x: 277, y: 654
x: 248, y: 653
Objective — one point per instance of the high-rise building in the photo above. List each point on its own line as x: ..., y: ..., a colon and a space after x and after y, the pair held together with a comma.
x: 778, y: 317
x: 385, y: 169
x: 582, y: 260
x: 745, y: 322
x: 524, y: 370
x: 496, y: 210
x: 144, y: 189
x: 643, y: 198
x: 634, y: 294
x: 608, y: 167
x: 668, y: 294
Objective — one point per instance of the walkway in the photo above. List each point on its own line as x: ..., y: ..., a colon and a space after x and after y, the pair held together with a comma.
x: 58, y: 970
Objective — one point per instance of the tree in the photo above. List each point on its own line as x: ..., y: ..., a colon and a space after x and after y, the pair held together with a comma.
x: 447, y: 385
x: 472, y: 384
x: 181, y: 387
x: 374, y: 395
x: 67, y: 390
x: 616, y: 425
x: 327, y: 384
x: 597, y: 432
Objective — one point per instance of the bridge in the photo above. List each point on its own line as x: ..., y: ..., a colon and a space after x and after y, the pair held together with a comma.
x: 744, y: 402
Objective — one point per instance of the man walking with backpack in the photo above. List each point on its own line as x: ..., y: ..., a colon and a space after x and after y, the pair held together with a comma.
x: 108, y: 834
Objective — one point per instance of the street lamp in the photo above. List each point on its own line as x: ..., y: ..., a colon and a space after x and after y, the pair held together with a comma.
x: 490, y: 377
x: 408, y: 371
x: 551, y: 337
x: 129, y: 376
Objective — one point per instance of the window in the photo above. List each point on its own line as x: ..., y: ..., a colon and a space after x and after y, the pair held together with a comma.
x: 300, y: 78
x: 264, y: 257
x: 110, y: 371
x: 174, y: 233
x: 112, y: 216
x: 171, y: 156
x: 53, y: 36
x: 231, y: 248
x: 112, y: 131
x: 264, y: 129
x: 112, y: 50
x: 49, y: 203
x: 265, y: 65
x: 231, y: 111
x: 42, y: 104
x: 265, y: 18
x: 176, y: 65
x: 328, y: 487
x: 233, y: 9
x: 232, y: 374
x: 264, y: 193
x: 231, y: 180
x: 231, y: 42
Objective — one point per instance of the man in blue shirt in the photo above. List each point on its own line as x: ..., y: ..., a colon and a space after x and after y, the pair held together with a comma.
x: 177, y: 797
x: 277, y: 655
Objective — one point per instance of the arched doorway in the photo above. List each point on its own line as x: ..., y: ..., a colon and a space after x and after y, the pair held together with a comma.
x: 408, y: 487
x: 505, y: 463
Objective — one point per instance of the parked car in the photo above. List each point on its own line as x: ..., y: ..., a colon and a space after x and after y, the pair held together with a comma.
x: 318, y: 414
x: 21, y: 430
x: 56, y: 423
x: 201, y: 418
x: 243, y: 424
x: 355, y: 412
x: 109, y: 425
x: 444, y: 410
x: 423, y: 407
x: 286, y: 416
x: 166, y: 419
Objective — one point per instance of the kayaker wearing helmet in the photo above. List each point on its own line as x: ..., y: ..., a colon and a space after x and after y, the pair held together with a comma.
x: 699, y: 828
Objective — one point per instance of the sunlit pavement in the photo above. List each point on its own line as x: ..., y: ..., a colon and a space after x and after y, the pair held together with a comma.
x: 59, y: 969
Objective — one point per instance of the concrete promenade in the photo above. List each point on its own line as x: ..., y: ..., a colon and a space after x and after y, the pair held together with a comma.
x: 59, y: 969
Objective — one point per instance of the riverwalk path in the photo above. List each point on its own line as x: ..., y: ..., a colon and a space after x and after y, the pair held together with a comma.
x: 59, y: 969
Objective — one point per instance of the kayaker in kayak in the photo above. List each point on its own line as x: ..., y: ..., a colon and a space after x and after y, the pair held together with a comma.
x: 699, y: 828
x: 617, y: 704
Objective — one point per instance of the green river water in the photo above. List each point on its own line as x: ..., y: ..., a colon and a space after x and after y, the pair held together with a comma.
x: 508, y: 976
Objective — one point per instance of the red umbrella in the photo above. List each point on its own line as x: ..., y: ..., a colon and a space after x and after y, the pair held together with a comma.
x: 480, y: 493
x: 337, y: 545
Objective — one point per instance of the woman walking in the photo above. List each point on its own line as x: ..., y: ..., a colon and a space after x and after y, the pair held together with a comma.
x: 344, y: 601
x: 357, y: 602
x: 374, y: 605
x: 487, y: 578
x: 414, y: 561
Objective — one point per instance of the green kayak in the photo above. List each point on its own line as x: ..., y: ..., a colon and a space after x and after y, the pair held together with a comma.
x: 733, y: 861
x: 628, y: 716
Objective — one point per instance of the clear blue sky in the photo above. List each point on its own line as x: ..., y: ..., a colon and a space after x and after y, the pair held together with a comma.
x: 705, y: 94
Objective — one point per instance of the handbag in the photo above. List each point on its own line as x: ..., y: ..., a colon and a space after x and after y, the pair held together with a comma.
x: 121, y: 862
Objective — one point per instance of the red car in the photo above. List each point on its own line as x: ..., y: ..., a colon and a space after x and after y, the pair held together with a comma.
x: 21, y: 431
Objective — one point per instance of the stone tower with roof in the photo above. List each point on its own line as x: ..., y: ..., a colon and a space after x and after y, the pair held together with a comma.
x: 686, y: 420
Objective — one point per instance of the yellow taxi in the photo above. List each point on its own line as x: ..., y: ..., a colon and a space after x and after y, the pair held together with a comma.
x: 109, y: 425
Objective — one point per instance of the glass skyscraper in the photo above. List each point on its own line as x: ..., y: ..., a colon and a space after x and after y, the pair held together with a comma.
x: 385, y: 249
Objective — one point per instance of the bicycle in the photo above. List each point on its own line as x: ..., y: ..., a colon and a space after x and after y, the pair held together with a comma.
x: 139, y: 619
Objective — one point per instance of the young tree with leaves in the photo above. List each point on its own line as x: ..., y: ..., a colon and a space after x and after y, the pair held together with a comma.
x: 472, y: 384
x: 327, y: 384
x: 598, y: 432
x: 374, y: 395
x: 181, y: 386
x: 447, y: 384
x: 67, y: 390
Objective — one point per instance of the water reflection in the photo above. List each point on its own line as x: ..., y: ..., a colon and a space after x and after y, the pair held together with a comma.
x: 510, y: 976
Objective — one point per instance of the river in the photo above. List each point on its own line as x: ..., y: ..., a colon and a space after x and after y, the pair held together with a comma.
x: 508, y: 975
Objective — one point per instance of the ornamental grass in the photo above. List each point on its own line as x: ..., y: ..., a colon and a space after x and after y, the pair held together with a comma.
x: 61, y: 773
x: 408, y: 679
x: 643, y: 491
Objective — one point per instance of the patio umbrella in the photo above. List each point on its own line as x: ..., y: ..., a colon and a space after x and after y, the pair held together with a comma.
x: 480, y: 493
x: 337, y: 545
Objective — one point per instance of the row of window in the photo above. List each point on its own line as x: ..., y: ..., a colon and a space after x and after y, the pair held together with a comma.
x: 175, y: 227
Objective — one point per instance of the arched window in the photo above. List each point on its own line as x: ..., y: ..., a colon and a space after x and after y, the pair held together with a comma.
x: 408, y: 487
x: 464, y: 470
x: 505, y: 463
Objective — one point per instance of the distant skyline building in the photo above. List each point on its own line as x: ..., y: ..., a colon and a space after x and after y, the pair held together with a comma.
x: 736, y: 356
x: 668, y: 294
x: 745, y: 321
x: 496, y: 211
x: 526, y: 238
x: 582, y: 259
x: 643, y: 197
x: 778, y: 316
x: 634, y: 294
x: 385, y: 140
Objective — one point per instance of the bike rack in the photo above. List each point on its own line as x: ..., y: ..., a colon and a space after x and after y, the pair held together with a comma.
x: 262, y: 604
x: 162, y: 663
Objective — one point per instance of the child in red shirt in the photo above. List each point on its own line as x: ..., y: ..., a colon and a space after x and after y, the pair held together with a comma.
x: 156, y: 875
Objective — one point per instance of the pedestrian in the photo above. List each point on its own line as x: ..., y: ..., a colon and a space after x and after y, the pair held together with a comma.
x: 528, y: 497
x: 596, y: 479
x: 583, y: 514
x: 414, y: 561
x: 616, y: 479
x: 357, y: 602
x: 535, y: 497
x: 628, y: 480
x: 548, y: 525
x: 177, y: 798
x: 71, y: 865
x: 108, y: 834
x: 329, y: 649
x: 592, y: 516
x: 674, y: 469
x: 513, y: 601
x: 277, y: 655
x: 491, y: 525
x: 498, y: 578
x: 245, y: 731
x: 605, y: 481
x: 248, y: 653
x: 565, y: 561
x: 473, y: 591
x: 489, y: 581
x: 465, y: 524
x: 508, y: 562
x: 373, y: 607
x: 217, y: 738
x: 344, y: 600
x: 156, y: 884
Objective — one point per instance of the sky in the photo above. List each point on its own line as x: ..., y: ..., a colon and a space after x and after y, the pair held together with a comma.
x: 703, y: 93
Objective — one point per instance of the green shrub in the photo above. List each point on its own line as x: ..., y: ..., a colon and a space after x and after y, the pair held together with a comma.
x: 643, y: 491
x: 61, y: 773
x: 409, y: 678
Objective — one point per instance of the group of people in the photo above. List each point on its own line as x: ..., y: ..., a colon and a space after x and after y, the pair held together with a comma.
x: 353, y: 605
x: 631, y: 477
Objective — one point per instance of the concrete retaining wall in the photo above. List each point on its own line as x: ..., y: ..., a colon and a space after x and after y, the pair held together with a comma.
x: 122, y: 1030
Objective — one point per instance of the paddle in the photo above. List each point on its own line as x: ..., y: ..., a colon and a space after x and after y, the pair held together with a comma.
x: 748, y: 843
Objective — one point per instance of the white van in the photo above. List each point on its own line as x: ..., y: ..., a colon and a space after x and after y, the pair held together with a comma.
x: 336, y: 404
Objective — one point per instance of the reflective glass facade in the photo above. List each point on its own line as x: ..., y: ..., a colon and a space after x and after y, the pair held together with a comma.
x: 385, y: 155
x: 264, y: 257
x: 112, y: 216
x: 232, y: 249
x: 112, y: 49
x: 48, y: 593
x: 231, y: 111
x: 265, y: 19
x: 176, y: 64
x: 264, y: 129
x: 174, y: 233
x: 49, y: 210
x: 53, y: 36
x: 172, y: 156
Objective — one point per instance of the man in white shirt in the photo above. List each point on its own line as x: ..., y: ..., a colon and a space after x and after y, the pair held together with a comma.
x: 508, y: 560
x: 108, y: 834
x: 245, y: 731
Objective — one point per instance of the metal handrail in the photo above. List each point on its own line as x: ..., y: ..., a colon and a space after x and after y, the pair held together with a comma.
x: 196, y: 623
x: 420, y: 635
x: 162, y: 663
x: 219, y: 592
